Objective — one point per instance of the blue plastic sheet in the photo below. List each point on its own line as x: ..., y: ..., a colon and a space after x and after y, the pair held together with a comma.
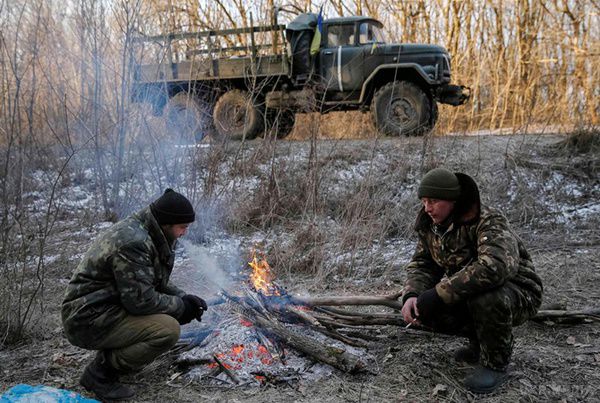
x: 42, y: 394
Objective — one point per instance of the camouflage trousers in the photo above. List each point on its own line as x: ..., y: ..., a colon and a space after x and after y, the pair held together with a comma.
x: 136, y: 341
x: 487, y: 320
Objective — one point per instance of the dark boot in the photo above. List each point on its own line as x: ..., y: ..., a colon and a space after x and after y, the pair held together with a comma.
x: 484, y: 380
x: 102, y: 379
x: 469, y: 354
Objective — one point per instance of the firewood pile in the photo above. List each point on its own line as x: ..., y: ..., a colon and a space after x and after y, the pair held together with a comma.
x: 259, y: 334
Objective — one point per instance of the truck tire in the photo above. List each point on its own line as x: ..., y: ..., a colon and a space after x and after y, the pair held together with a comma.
x: 402, y: 108
x: 236, y: 116
x: 187, y: 118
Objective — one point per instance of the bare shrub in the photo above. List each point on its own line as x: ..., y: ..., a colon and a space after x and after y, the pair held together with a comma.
x: 279, y: 196
x: 584, y: 140
x: 303, y: 253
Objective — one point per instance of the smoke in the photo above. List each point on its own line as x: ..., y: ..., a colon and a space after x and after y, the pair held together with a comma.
x: 213, y: 268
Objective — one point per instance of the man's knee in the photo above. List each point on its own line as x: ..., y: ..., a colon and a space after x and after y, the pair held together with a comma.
x: 156, y: 334
x: 166, y: 330
x: 493, y: 305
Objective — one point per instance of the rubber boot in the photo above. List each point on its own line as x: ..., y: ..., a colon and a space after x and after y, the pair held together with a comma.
x: 468, y: 354
x: 484, y: 380
x: 102, y: 379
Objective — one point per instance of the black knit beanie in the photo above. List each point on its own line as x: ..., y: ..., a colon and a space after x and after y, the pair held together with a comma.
x: 172, y: 208
x: 439, y: 183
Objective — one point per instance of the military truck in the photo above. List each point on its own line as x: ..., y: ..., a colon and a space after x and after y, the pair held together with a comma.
x: 239, y: 83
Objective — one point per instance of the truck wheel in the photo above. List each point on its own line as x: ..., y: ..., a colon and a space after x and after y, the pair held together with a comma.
x: 281, y: 121
x: 187, y: 118
x: 236, y: 116
x: 402, y: 108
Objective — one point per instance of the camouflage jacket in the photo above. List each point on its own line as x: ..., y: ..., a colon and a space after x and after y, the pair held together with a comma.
x: 477, y: 252
x: 125, y: 271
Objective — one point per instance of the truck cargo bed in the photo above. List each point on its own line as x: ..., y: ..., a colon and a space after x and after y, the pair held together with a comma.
x: 213, y: 69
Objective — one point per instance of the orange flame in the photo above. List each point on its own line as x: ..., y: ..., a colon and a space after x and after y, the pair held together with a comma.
x: 237, y: 350
x: 261, y: 276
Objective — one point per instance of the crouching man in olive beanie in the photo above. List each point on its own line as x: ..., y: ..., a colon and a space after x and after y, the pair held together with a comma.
x: 120, y: 301
x: 470, y: 276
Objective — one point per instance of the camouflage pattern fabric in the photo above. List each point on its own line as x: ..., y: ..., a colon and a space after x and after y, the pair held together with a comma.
x: 481, y: 270
x: 125, y: 272
x: 469, y: 259
x: 487, y: 320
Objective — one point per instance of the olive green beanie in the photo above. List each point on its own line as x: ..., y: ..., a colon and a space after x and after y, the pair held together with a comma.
x: 439, y: 183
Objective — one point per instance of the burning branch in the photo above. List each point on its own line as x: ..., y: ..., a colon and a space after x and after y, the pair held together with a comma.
x: 226, y: 370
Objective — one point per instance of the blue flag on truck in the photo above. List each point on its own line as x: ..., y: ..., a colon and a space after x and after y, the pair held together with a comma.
x: 316, y: 41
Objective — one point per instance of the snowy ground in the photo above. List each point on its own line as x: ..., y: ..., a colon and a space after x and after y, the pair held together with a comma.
x: 336, y: 219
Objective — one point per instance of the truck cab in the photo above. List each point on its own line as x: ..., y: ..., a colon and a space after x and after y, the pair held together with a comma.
x: 357, y: 68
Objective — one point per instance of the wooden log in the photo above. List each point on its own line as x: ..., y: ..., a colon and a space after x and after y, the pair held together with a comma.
x: 357, y: 316
x: 317, y: 350
x: 366, y: 320
x: 334, y: 356
x: 334, y: 318
x: 343, y: 338
x: 390, y: 301
x: 579, y: 315
x: 301, y: 315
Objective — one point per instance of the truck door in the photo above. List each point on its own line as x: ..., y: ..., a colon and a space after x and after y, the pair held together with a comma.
x: 340, y: 59
x: 372, y: 41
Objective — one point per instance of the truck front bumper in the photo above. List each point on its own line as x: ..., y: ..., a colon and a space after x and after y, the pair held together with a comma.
x: 453, y: 94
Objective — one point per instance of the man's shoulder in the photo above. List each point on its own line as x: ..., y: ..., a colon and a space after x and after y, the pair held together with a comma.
x: 492, y: 219
x: 130, y: 230
x: 491, y: 213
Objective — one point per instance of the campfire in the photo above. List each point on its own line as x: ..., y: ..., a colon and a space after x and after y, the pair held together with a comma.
x: 258, y: 334
x: 264, y: 335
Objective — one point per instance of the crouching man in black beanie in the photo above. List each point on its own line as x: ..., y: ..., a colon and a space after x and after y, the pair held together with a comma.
x: 120, y: 301
x: 470, y: 275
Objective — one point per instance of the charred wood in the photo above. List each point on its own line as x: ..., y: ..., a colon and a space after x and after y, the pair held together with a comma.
x: 226, y: 370
x: 264, y: 319
x: 334, y: 356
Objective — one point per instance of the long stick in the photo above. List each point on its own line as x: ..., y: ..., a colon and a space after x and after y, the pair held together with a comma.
x: 226, y: 370
x: 384, y: 300
x: 590, y: 313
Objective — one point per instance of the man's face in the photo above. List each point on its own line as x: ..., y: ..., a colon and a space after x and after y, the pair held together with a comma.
x: 175, y: 231
x: 437, y: 209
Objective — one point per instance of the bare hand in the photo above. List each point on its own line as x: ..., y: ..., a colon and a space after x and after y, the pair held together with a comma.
x: 410, y: 311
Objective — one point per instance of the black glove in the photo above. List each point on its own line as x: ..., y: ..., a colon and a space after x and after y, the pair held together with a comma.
x: 194, y: 308
x: 428, y: 303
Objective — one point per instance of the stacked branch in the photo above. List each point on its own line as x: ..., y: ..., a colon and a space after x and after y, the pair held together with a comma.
x: 338, y: 317
x: 271, y: 318
x: 351, y: 327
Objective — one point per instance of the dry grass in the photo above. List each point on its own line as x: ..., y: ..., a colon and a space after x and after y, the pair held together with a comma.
x: 584, y: 140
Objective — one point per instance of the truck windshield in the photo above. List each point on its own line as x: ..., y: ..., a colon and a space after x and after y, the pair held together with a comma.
x: 371, y: 33
x: 340, y: 35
